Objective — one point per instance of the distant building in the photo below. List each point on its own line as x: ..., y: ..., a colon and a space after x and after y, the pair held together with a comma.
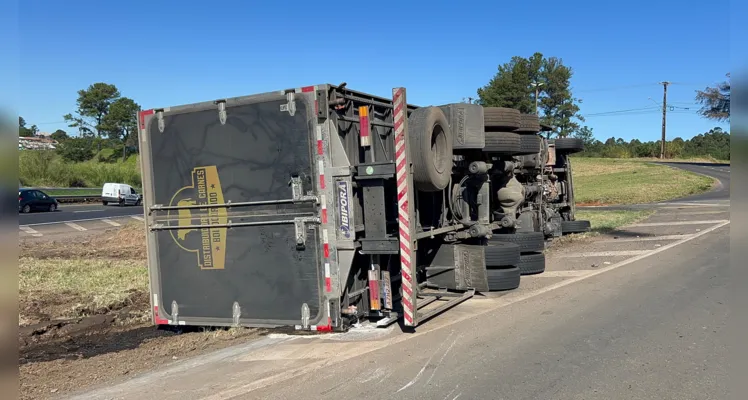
x: 36, y: 143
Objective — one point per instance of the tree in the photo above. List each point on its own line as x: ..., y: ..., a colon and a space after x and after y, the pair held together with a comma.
x: 585, y: 133
x: 59, y: 135
x: 23, y: 131
x: 515, y: 84
x: 93, y: 105
x: 122, y: 123
x: 560, y: 108
x: 76, y: 149
x: 715, y: 101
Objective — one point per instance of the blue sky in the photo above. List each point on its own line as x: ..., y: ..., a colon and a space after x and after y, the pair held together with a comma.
x: 166, y: 53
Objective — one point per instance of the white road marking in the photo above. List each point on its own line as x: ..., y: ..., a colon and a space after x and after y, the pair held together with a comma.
x: 75, y: 226
x: 137, y: 218
x: 76, y: 220
x: 687, y: 212
x: 110, y: 222
x: 86, y: 211
x: 30, y: 231
x: 604, y: 254
x: 645, y: 238
x: 672, y: 223
x: 489, y: 305
x: 561, y: 274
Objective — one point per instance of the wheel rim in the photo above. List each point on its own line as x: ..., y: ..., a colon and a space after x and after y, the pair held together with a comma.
x: 26, y: 208
x: 439, y: 148
x: 52, y: 207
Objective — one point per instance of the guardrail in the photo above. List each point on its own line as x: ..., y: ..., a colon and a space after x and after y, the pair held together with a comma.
x: 70, y: 198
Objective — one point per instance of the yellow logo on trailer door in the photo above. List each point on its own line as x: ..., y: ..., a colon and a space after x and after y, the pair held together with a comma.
x: 208, y: 243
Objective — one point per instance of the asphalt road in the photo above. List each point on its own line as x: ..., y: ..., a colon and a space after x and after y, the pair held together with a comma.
x: 719, y: 171
x: 641, y: 314
x: 74, y: 212
x: 655, y: 329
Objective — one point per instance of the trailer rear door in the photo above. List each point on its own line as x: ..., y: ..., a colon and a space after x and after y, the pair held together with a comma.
x: 217, y: 265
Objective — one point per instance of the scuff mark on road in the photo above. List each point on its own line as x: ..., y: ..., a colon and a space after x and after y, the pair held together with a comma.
x: 418, y: 376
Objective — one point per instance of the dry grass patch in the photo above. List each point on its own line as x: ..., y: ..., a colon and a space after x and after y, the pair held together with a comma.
x: 613, y: 181
x: 126, y: 243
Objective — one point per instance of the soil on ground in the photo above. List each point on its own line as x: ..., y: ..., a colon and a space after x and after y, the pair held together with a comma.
x: 65, y: 345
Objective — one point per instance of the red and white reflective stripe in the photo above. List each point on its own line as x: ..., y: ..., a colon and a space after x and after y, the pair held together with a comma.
x: 364, y: 127
x: 143, y: 114
x: 156, y: 317
x: 401, y: 173
x: 321, y: 167
x: 323, y: 208
x: 328, y: 280
x: 325, y: 244
x: 320, y: 145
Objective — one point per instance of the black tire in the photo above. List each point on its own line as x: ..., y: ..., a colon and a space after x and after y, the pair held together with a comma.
x: 137, y: 203
x: 569, y: 145
x: 531, y: 264
x: 121, y: 203
x: 503, y: 279
x: 26, y: 209
x: 431, y: 149
x: 501, y: 255
x: 52, y: 207
x: 575, y: 226
x: 501, y: 118
x: 528, y: 123
x: 528, y: 242
x: 529, y: 144
x: 502, y: 143
x: 104, y: 202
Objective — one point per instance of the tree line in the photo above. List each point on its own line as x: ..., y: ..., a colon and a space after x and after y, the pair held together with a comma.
x: 103, y: 118
x: 542, y: 85
x: 714, y: 144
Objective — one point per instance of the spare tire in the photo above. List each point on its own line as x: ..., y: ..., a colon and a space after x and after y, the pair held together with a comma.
x: 529, y: 144
x: 579, y: 226
x: 528, y: 123
x: 569, y: 145
x: 503, y: 279
x: 501, y: 255
x: 528, y: 242
x: 431, y: 149
x: 531, y: 264
x: 502, y: 143
x: 501, y: 118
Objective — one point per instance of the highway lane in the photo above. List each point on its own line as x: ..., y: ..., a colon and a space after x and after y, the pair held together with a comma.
x: 655, y: 329
x: 718, y: 171
x: 74, y: 212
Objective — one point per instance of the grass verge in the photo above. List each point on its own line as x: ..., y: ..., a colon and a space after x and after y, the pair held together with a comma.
x: 608, y: 221
x: 602, y: 181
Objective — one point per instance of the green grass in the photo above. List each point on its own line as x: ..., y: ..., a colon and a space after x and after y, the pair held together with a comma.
x: 601, y: 181
x: 604, y: 221
x: 46, y: 169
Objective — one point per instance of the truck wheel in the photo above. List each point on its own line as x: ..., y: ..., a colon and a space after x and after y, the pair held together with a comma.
x: 500, y: 118
x: 528, y: 123
x: 431, y: 149
x: 531, y: 264
x: 500, y: 254
x: 502, y: 143
x: 529, y: 144
x: 503, y: 279
x: 575, y: 226
x: 569, y: 145
x: 528, y: 242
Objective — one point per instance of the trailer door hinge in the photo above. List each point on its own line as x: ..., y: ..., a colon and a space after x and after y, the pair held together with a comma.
x: 297, y: 191
x: 300, y: 227
x: 222, y: 111
x: 289, y: 107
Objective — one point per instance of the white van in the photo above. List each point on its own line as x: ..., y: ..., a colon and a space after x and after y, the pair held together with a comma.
x: 121, y: 194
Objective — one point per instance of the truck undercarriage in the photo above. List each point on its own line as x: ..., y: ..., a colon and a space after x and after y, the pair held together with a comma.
x: 320, y: 206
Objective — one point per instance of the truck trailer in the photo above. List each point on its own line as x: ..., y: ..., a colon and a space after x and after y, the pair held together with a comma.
x: 319, y: 207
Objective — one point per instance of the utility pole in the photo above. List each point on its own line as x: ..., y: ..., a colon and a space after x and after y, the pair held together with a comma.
x: 537, y: 93
x: 664, y: 118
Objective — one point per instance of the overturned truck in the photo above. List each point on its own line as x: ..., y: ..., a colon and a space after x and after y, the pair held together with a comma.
x: 321, y: 206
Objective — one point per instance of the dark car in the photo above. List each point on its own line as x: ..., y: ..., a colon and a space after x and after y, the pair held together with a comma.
x: 35, y: 200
